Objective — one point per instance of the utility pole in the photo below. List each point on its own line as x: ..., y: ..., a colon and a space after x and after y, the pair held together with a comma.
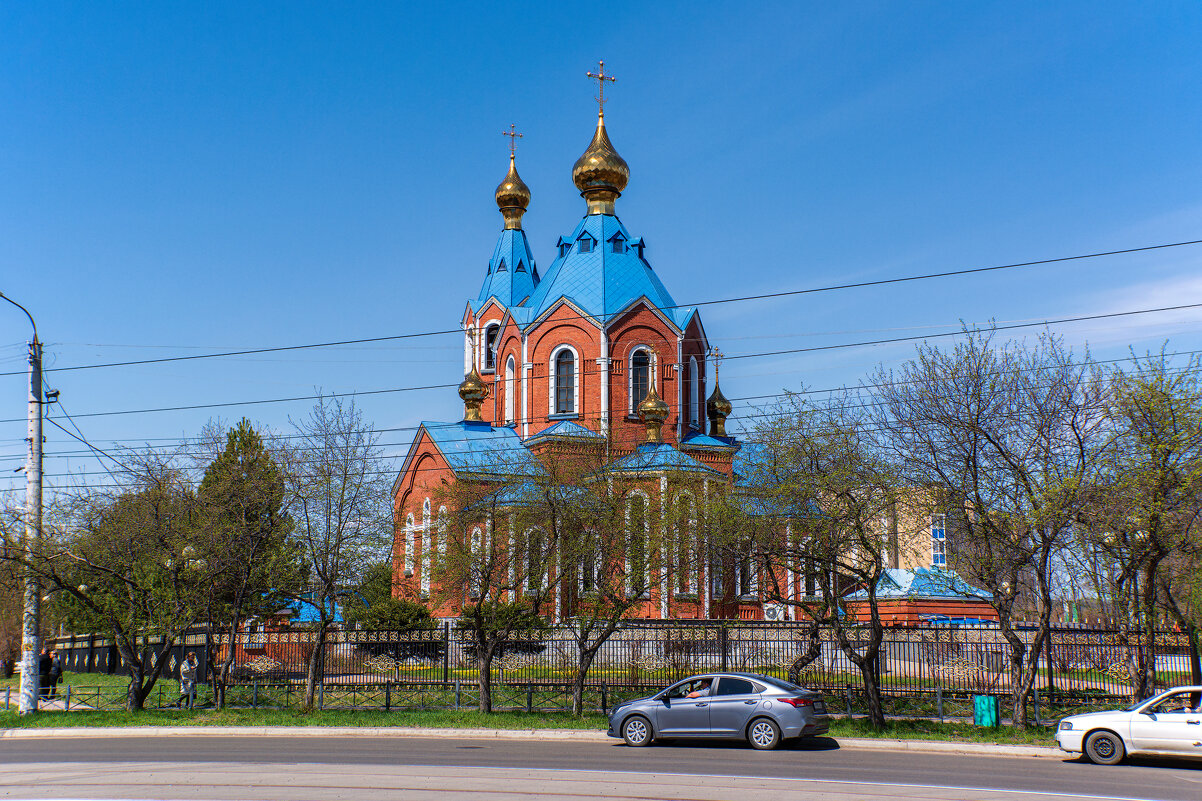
x: 30, y: 616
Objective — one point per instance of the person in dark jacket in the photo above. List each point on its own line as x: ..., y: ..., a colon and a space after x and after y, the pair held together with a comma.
x: 56, y: 673
x: 44, y: 663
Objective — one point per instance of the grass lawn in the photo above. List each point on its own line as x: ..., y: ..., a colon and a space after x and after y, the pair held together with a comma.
x: 905, y: 729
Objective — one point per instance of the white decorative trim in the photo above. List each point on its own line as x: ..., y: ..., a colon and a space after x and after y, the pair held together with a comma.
x: 603, y: 369
x: 526, y: 368
x: 652, y: 377
x: 694, y: 394
x: 663, y: 538
x: 510, y: 388
x: 553, y: 378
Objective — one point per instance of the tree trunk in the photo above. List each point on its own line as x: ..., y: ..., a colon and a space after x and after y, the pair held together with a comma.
x: 872, y: 690
x: 316, y: 667
x: 484, y: 675
x: 1195, y: 657
x: 583, y: 663
x: 813, y: 651
x: 1146, y: 684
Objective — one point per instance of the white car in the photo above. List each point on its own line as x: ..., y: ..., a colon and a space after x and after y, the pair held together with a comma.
x: 1169, y: 724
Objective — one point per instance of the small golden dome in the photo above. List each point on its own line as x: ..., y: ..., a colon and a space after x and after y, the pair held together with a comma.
x: 600, y: 173
x: 717, y: 408
x: 513, y: 197
x: 653, y: 412
x: 474, y: 392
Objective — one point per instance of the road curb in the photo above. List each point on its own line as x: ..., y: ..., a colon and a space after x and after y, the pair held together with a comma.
x: 560, y: 735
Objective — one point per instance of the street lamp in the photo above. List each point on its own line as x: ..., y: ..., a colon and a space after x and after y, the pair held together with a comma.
x: 30, y: 633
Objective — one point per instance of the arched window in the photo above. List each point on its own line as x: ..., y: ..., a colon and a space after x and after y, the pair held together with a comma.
x: 490, y: 346
x: 424, y: 554
x: 409, y: 529
x: 641, y: 376
x: 590, y: 564
x: 694, y: 393
x: 536, y: 561
x: 511, y: 386
x: 563, y: 381
x: 638, y: 556
x: 475, y: 562
x: 442, y: 537
x: 685, y: 544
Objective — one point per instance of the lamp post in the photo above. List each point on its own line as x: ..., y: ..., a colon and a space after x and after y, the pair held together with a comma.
x: 30, y: 617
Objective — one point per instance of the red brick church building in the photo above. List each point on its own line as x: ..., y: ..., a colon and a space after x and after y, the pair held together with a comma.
x: 591, y: 352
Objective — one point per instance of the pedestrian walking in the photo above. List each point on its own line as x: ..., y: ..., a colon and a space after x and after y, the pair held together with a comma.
x: 56, y: 673
x: 187, y: 681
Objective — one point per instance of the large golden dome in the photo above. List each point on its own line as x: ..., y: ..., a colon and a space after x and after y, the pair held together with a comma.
x: 600, y: 173
x: 513, y: 197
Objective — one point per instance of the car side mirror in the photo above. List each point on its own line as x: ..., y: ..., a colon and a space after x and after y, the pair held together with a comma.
x: 1150, y: 714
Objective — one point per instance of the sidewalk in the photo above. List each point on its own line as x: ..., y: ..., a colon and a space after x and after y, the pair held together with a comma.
x: 559, y: 735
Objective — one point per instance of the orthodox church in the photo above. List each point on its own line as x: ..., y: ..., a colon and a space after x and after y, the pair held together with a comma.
x: 593, y: 353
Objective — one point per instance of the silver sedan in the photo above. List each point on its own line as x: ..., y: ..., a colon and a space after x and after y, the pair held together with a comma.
x: 761, y: 709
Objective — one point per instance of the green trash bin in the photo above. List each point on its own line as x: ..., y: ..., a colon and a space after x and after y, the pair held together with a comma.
x: 984, y: 711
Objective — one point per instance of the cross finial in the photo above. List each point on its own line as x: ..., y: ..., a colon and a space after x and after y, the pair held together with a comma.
x: 600, y: 77
x: 514, y: 136
x: 717, y: 356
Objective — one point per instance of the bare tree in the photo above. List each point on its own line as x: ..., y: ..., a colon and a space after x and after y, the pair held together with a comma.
x: 1012, y: 435
x: 338, y: 497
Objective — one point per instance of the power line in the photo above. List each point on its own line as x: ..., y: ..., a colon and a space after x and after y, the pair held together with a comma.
x: 736, y: 299
x: 586, y: 371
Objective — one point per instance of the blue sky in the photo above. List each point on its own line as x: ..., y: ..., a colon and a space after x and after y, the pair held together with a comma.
x: 180, y: 178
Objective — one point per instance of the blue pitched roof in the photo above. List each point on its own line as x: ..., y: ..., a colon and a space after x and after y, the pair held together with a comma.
x: 480, y: 449
x: 512, y: 275
x: 924, y: 583
x: 656, y: 457
x: 601, y: 282
x: 705, y: 441
x: 565, y: 429
x: 305, y: 611
x: 749, y: 461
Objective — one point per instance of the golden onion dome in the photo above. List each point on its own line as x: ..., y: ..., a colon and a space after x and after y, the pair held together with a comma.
x: 600, y: 173
x: 513, y: 197
x: 717, y: 408
x: 653, y: 412
x: 474, y: 392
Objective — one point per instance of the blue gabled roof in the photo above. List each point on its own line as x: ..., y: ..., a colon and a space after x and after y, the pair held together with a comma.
x: 305, y: 611
x: 603, y: 283
x: 749, y: 461
x: 565, y: 429
x: 705, y: 441
x: 481, y: 449
x: 512, y: 275
x: 658, y: 457
x: 924, y: 583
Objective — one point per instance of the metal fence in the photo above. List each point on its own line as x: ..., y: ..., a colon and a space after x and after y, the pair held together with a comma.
x: 1077, y: 664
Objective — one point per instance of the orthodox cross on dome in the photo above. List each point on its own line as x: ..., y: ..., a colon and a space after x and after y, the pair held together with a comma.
x: 600, y: 77
x: 514, y: 136
x: 717, y: 356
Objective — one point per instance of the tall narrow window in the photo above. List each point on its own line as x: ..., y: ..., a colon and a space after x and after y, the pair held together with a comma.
x: 938, y: 540
x: 640, y: 377
x: 511, y: 386
x: 565, y: 382
x: 590, y: 564
x: 637, y: 557
x: 694, y: 394
x: 490, y: 346
x: 535, y: 561
x: 745, y: 577
x: 409, y: 529
x: 475, y: 578
x: 686, y: 545
x: 424, y: 555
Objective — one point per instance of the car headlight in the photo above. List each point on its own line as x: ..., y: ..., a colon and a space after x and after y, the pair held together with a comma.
x: 1066, y: 725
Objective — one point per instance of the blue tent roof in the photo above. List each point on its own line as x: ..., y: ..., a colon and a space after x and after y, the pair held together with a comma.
x: 305, y: 611
x: 480, y: 449
x: 705, y: 441
x: 658, y: 457
x: 924, y: 583
x: 602, y: 282
x: 512, y: 275
x: 565, y: 429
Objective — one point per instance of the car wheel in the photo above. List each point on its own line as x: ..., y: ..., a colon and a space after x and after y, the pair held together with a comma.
x: 1104, y: 748
x: 636, y: 731
x: 763, y: 734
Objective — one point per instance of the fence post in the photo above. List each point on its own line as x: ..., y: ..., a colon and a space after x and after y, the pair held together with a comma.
x: 446, y: 651
x: 456, y: 693
x: 939, y: 702
x: 321, y: 695
x: 1036, y: 694
x: 529, y: 697
x: 254, y: 695
x: 604, y: 699
x: 8, y: 691
x: 723, y: 641
x: 847, y: 695
x: 67, y: 700
x: 388, y: 696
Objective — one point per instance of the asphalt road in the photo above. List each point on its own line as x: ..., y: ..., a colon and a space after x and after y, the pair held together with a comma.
x: 312, y: 767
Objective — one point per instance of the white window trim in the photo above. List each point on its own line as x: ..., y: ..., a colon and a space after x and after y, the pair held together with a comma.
x: 694, y: 393
x: 511, y: 385
x: 593, y: 557
x: 425, y: 550
x: 552, y: 379
x: 646, y: 543
x: 939, y: 560
x: 409, y: 529
x: 633, y: 402
x: 482, y: 358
